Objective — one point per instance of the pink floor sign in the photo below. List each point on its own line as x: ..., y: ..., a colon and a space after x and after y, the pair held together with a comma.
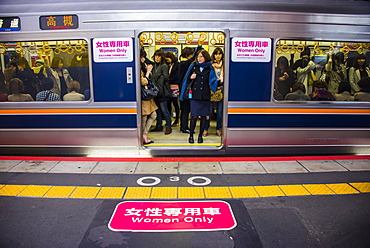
x: 167, y: 216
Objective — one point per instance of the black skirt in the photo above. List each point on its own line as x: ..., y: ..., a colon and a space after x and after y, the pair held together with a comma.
x: 200, y: 108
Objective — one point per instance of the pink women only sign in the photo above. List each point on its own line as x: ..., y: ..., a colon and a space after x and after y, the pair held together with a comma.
x: 251, y: 49
x: 113, y: 49
x: 172, y: 216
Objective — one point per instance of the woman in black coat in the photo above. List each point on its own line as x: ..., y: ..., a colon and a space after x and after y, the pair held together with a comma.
x: 284, y: 76
x: 160, y: 78
x: 173, y: 71
x: 202, y: 77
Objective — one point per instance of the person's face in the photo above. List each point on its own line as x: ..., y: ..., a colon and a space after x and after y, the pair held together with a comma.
x: 142, y: 59
x: 218, y: 56
x: 169, y: 60
x: 361, y: 61
x: 158, y: 59
x: 200, y: 58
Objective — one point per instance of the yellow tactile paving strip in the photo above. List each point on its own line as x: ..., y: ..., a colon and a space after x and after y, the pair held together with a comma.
x: 86, y: 192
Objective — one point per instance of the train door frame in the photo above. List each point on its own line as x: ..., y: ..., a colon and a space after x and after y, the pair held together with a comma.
x: 226, y: 46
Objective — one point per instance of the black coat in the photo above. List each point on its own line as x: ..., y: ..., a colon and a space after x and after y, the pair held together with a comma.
x: 174, y: 75
x: 201, y: 88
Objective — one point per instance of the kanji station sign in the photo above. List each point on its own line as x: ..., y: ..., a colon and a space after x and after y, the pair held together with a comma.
x: 175, y: 216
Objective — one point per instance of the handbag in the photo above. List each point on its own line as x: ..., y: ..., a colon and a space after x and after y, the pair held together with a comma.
x: 175, y: 90
x: 148, y: 91
x: 188, y: 94
x: 216, y: 96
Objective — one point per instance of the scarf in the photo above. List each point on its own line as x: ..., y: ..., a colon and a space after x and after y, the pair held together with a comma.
x: 213, y: 81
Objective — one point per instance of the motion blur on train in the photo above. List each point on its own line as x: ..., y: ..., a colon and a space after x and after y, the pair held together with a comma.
x: 171, y: 78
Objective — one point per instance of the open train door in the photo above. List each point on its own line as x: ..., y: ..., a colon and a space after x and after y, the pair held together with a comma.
x: 175, y: 47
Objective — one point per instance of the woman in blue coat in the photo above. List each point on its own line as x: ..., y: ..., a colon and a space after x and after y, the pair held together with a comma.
x: 201, y: 75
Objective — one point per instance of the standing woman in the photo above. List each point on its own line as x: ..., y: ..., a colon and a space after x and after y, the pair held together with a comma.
x: 160, y: 78
x: 284, y: 76
x: 59, y: 75
x: 24, y: 72
x: 203, y: 78
x: 148, y: 107
x: 218, y: 64
x: 357, y: 72
x: 304, y: 68
x: 173, y: 71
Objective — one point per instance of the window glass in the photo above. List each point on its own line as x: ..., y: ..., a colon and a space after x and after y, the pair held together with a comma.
x: 321, y: 71
x: 45, y: 71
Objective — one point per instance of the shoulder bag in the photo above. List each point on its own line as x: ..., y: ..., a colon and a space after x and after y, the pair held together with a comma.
x: 148, y: 91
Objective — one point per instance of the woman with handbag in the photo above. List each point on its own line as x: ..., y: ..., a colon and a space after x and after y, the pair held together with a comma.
x: 148, y: 107
x: 202, y: 77
x: 160, y: 77
x: 173, y: 68
x: 218, y: 59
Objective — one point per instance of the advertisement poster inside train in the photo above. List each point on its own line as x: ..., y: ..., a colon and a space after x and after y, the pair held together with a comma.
x: 113, y: 50
x: 251, y: 49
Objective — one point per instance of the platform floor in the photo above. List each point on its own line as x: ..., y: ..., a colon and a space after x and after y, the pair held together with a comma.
x: 276, y: 201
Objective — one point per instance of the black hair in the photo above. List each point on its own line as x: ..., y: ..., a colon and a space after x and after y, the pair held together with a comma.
x: 339, y: 56
x: 364, y: 83
x: 142, y: 53
x: 47, y: 84
x: 159, y: 53
x: 283, y: 61
x: 356, y: 58
x: 186, y: 52
x: 299, y: 86
x: 171, y: 56
x: 344, y: 86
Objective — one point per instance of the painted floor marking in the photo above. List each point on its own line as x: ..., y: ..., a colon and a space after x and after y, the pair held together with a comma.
x: 87, y: 192
x: 362, y: 187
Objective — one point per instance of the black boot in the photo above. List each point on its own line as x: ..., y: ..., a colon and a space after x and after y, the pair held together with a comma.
x: 191, y: 139
x: 200, y: 139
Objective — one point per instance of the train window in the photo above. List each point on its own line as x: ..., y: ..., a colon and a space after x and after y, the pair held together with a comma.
x: 321, y: 71
x: 45, y: 71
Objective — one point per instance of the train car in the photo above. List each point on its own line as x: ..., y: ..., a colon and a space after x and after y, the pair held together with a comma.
x: 99, y: 43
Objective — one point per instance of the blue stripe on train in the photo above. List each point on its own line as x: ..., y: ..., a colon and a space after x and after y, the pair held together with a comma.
x: 69, y: 121
x: 298, y: 120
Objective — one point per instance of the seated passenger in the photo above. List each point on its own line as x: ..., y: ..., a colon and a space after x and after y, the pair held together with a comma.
x: 15, y: 91
x: 74, y: 95
x: 46, y: 94
x: 364, y: 93
x: 298, y: 93
x: 344, y: 92
x: 320, y: 92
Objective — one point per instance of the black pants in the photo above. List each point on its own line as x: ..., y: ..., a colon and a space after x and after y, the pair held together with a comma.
x: 185, y: 111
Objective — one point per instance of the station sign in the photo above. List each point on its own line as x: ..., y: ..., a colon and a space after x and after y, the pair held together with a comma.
x: 50, y: 22
x: 10, y: 24
x: 251, y: 49
x: 172, y: 216
x: 113, y: 49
